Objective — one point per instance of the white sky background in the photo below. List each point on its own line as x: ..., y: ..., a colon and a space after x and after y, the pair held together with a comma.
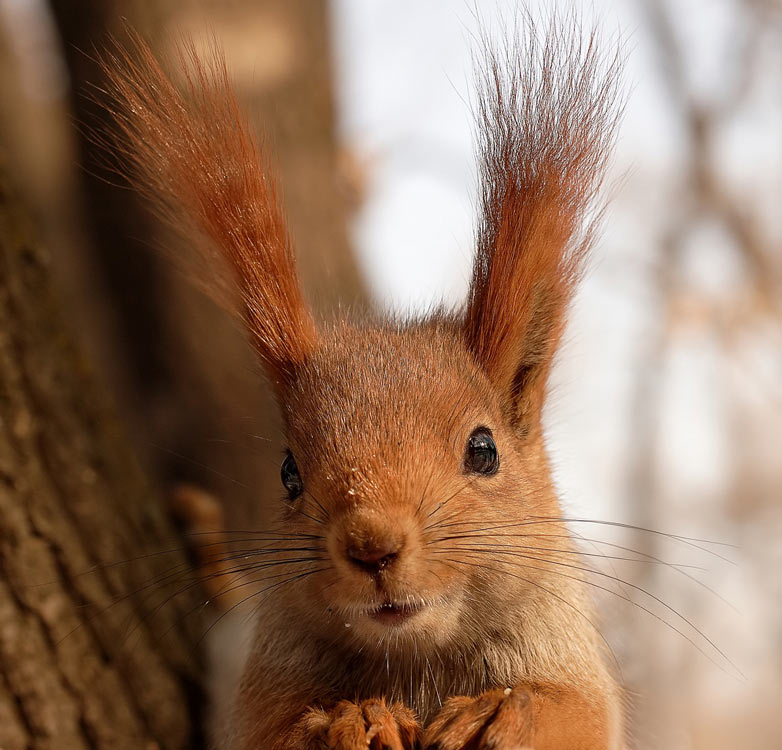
x: 404, y: 75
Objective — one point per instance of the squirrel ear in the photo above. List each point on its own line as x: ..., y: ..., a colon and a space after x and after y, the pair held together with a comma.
x: 191, y: 153
x: 546, y: 118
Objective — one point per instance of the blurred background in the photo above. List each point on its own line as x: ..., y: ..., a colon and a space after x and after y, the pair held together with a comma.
x: 666, y: 404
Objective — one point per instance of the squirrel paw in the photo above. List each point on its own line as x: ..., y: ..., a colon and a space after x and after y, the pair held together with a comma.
x: 351, y: 726
x: 495, y: 720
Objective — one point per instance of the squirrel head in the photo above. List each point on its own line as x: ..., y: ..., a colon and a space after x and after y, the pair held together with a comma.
x: 415, y: 448
x: 402, y: 451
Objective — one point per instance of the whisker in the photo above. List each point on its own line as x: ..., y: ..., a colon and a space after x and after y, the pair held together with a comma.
x: 577, y: 553
x: 266, y: 591
x: 292, y: 507
x: 690, y: 541
x: 199, y: 464
x: 198, y: 580
x: 238, y: 604
x: 442, y: 504
x: 424, y: 493
x: 556, y: 596
x: 173, y: 576
x: 625, y: 583
x: 538, y: 520
x: 320, y: 505
x: 680, y: 568
x: 184, y: 549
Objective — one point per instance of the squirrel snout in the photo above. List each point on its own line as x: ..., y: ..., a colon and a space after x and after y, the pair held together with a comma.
x: 373, y: 555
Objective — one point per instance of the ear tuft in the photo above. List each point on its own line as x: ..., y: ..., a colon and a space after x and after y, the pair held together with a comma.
x: 190, y: 152
x: 547, y: 113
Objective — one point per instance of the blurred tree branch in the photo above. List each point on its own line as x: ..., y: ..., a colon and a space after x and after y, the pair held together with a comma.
x: 705, y: 192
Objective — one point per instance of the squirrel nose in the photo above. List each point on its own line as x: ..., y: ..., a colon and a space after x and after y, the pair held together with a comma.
x: 373, y: 558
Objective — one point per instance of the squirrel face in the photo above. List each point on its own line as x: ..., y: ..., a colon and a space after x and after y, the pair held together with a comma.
x: 403, y: 456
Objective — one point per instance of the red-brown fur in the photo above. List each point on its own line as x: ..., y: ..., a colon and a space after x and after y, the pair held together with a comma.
x: 502, y: 652
x: 546, y: 121
x: 191, y: 153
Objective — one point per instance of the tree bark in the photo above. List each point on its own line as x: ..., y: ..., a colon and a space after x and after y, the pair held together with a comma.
x: 87, y: 659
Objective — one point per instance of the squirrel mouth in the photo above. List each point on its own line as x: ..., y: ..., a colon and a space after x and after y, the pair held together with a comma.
x: 392, y: 613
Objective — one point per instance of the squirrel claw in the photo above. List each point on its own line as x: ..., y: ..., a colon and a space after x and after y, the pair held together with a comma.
x: 351, y: 726
x: 495, y: 720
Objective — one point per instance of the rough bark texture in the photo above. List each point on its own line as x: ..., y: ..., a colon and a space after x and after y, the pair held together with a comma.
x: 86, y: 659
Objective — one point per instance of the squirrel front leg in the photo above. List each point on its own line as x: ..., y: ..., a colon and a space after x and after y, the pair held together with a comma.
x: 532, y: 717
x: 368, y: 725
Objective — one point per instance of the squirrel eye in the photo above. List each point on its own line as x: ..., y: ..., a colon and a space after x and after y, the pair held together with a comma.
x: 291, y: 479
x: 480, y: 456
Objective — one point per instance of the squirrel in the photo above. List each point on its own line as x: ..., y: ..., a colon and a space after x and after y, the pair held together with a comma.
x: 421, y: 589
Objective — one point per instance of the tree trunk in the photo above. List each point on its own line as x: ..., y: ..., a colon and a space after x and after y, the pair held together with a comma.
x: 87, y: 659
